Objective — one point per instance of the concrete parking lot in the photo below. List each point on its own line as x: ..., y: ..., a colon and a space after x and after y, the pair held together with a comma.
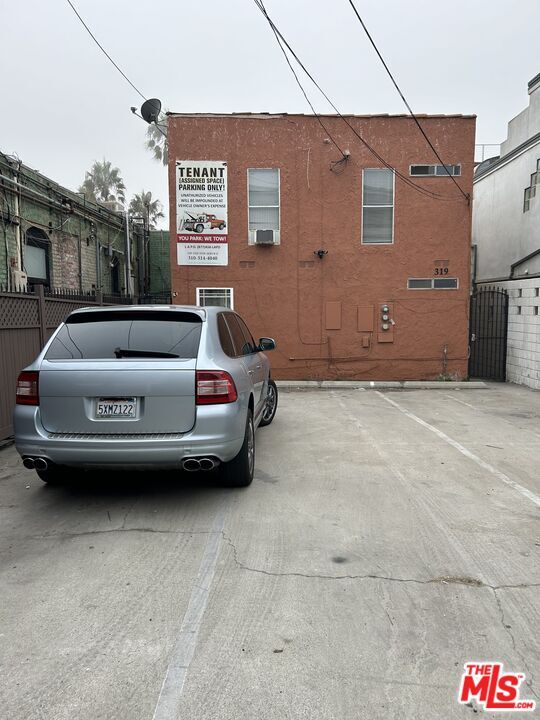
x: 388, y: 538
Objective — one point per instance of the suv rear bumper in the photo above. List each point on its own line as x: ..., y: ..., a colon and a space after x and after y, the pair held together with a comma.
x: 218, y: 432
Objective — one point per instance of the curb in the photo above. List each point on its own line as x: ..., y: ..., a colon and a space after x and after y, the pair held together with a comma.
x: 381, y: 385
x: 7, y: 442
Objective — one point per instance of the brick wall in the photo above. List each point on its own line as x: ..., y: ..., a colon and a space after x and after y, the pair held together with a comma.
x: 65, y: 218
x: 325, y: 314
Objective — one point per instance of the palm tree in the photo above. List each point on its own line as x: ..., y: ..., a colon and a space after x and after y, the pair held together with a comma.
x: 156, y: 139
x: 142, y: 205
x: 103, y: 182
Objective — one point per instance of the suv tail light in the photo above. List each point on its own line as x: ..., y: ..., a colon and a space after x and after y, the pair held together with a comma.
x: 214, y: 387
x: 27, y: 392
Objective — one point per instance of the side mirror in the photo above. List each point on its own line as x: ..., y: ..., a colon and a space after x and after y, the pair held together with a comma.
x: 266, y: 344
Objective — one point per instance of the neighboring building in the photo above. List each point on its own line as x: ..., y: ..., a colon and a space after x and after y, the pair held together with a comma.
x: 355, y: 273
x: 506, y: 235
x: 159, y: 262
x: 55, y: 237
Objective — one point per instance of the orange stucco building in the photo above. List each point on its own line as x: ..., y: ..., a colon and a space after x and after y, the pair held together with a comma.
x: 357, y: 271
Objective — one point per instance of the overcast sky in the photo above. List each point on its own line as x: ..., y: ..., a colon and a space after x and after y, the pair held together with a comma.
x: 63, y: 105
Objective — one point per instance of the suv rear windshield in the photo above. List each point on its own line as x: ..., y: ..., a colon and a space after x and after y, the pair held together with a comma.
x: 127, y: 334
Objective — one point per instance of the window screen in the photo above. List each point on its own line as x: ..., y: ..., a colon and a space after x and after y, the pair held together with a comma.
x: 378, y: 206
x: 263, y: 198
x: 445, y: 283
x: 439, y: 170
x: 222, y: 297
x: 35, y: 262
x: 104, y: 335
x: 419, y: 284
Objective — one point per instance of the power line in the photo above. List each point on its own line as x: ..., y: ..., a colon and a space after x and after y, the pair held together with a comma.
x: 362, y: 23
x: 100, y: 46
x: 260, y: 4
x: 403, y: 177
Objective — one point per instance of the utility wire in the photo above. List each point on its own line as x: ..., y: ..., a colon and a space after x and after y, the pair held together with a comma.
x: 362, y: 23
x: 260, y: 4
x: 403, y: 177
x: 100, y: 46
x: 306, y: 96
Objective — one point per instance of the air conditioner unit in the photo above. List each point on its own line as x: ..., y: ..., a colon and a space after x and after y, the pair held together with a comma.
x: 265, y: 237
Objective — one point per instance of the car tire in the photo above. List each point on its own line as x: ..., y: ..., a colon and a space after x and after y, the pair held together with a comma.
x: 270, y: 406
x: 54, y: 474
x: 221, y: 226
x: 239, y: 471
x: 199, y: 228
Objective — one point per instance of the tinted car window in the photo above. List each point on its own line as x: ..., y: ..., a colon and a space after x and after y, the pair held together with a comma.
x: 225, y: 337
x: 106, y: 335
x: 239, y: 341
x: 247, y: 336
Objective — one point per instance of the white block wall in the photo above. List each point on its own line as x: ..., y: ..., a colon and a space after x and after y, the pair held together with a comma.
x: 523, y: 353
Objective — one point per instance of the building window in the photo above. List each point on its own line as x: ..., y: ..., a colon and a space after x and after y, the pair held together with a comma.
x: 36, y: 257
x: 435, y: 170
x: 378, y: 206
x: 115, y: 275
x: 263, y: 199
x: 222, y: 297
x: 530, y: 191
x: 445, y: 283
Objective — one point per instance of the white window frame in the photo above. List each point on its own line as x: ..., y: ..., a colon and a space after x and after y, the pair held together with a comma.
x: 251, y: 233
x: 434, y: 165
x: 229, y: 289
x: 432, y: 281
x: 393, y: 206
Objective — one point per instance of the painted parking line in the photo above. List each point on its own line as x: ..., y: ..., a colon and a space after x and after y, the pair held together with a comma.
x: 464, y: 451
x: 186, y: 642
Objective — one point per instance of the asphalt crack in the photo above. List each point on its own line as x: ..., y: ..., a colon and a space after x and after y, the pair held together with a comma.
x: 155, y: 531
x: 442, y: 580
x: 529, y: 682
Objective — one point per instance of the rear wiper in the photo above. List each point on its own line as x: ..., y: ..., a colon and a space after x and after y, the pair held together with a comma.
x: 122, y: 352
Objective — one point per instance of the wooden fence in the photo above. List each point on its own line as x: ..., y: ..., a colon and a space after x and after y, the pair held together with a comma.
x: 27, y: 320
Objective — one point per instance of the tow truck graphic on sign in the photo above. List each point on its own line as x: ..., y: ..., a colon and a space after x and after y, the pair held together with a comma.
x: 201, y: 211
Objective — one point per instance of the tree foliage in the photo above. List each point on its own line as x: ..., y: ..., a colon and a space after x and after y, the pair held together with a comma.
x: 103, y: 182
x: 156, y: 140
x: 142, y: 205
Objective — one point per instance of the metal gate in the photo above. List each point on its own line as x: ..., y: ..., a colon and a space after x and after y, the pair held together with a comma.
x: 488, y: 329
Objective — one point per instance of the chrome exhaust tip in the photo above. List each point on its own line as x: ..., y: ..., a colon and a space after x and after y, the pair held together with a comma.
x: 41, y: 464
x: 29, y: 463
x: 207, y: 464
x: 191, y: 465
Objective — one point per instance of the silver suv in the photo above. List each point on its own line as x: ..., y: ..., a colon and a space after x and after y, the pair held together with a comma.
x: 146, y: 387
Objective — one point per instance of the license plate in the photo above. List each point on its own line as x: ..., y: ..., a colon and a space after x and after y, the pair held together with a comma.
x: 116, y: 407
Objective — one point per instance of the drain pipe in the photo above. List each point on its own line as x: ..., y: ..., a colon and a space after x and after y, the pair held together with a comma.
x: 18, y: 235
x: 129, y: 279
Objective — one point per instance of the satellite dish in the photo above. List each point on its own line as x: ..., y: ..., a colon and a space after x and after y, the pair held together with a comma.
x: 150, y: 110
